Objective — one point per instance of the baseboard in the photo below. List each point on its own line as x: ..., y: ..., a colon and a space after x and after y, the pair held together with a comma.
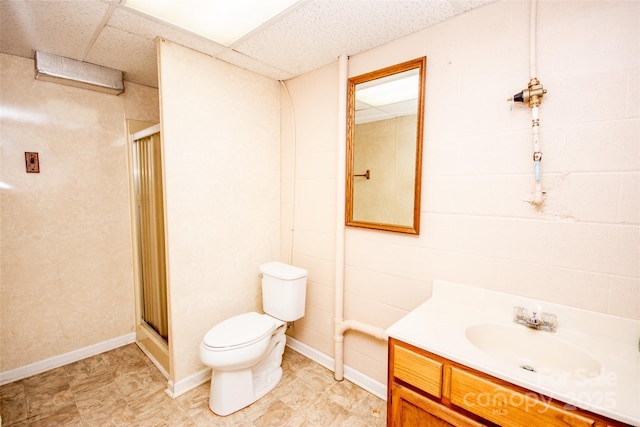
x: 367, y: 383
x: 64, y: 359
x: 192, y: 381
x: 372, y: 386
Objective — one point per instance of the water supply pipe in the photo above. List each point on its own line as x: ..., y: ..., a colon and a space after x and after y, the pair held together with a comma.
x: 533, y: 97
x: 293, y: 173
x: 340, y: 324
x: 338, y: 355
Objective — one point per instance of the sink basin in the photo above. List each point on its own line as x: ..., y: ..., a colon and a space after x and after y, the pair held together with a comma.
x: 533, y: 350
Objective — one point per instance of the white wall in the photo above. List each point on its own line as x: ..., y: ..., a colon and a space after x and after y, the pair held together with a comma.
x: 314, y: 97
x: 221, y: 153
x: 580, y: 248
x: 66, y: 275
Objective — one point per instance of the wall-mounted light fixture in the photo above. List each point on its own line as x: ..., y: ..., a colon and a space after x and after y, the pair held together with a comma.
x: 58, y: 69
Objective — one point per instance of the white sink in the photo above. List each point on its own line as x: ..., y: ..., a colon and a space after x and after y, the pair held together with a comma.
x: 591, y: 362
x: 533, y: 350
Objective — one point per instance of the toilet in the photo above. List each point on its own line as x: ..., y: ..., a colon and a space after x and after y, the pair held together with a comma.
x: 245, y: 351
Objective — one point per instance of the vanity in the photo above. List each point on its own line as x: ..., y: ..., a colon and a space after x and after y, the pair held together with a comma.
x: 472, y: 357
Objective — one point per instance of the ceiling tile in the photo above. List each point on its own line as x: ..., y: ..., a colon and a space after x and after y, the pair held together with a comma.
x: 128, y: 52
x: 324, y: 29
x: 308, y: 36
x: 63, y: 28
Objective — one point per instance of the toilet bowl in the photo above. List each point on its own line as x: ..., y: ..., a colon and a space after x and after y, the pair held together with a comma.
x: 245, y: 351
x: 238, y: 342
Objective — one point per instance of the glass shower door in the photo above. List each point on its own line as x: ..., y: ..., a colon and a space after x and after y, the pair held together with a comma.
x: 150, y: 225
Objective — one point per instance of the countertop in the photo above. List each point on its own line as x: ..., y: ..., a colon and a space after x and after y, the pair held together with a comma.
x: 439, y: 326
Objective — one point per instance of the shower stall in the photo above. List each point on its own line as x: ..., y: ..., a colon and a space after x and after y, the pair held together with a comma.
x: 149, y: 244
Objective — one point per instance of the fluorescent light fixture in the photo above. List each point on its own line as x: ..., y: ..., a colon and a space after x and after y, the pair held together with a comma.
x: 222, y: 21
x: 70, y: 72
x: 390, y: 92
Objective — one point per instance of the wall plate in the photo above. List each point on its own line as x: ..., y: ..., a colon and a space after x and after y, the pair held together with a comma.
x: 32, y: 162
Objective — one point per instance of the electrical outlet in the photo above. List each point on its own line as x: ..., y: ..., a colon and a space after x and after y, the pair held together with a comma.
x: 32, y: 163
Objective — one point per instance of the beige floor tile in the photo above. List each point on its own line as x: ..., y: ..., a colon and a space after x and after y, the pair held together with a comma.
x: 117, y: 414
x: 318, y: 378
x: 48, y: 393
x: 196, y: 404
x: 67, y: 416
x: 94, y: 399
x: 89, y: 373
x: 48, y: 400
x: 259, y: 407
x: 298, y: 394
x: 53, y: 379
x: 141, y: 382
x: 325, y: 412
x: 372, y: 411
x: 202, y: 416
x: 18, y: 424
x: 298, y: 421
x: 86, y: 368
x: 123, y: 388
x: 158, y: 409
x: 196, y: 397
x: 12, y: 390
x: 277, y: 413
x: 126, y: 359
x: 13, y: 403
x: 346, y: 394
x: 295, y: 365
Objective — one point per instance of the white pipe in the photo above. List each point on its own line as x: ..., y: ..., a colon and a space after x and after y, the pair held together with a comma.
x: 293, y: 161
x: 535, y: 120
x: 340, y: 208
x: 356, y: 325
x: 341, y: 325
x: 533, y: 19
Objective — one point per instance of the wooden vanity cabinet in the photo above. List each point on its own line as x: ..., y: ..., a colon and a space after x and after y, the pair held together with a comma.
x: 426, y: 390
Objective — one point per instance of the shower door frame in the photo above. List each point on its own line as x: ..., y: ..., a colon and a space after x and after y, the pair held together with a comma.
x: 148, y: 339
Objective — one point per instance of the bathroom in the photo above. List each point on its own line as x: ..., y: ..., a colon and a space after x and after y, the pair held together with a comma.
x: 66, y: 272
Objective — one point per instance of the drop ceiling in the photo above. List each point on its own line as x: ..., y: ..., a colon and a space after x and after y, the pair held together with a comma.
x: 308, y: 35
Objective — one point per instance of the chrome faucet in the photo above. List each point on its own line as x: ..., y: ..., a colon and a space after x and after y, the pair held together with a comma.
x: 544, y: 321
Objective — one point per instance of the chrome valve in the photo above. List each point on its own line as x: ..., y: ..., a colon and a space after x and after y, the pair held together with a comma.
x: 536, y: 320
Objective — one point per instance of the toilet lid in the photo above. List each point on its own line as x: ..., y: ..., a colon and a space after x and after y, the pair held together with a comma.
x: 238, y: 330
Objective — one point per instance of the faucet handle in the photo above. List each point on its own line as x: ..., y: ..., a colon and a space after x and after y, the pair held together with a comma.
x: 520, y: 315
x: 549, y: 322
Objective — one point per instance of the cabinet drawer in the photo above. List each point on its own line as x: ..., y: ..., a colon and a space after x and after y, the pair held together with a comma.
x: 417, y: 370
x: 507, y: 407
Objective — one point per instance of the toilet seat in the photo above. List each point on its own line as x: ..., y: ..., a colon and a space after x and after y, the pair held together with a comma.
x: 239, y: 331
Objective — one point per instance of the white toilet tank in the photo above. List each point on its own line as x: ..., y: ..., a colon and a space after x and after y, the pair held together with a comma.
x: 284, y: 290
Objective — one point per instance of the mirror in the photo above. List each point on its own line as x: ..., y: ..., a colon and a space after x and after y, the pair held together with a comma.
x: 385, y: 111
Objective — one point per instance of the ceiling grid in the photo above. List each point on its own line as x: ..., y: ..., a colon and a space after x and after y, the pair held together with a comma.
x: 308, y: 35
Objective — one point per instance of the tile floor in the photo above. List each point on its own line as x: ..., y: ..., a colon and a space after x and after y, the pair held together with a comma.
x: 123, y: 388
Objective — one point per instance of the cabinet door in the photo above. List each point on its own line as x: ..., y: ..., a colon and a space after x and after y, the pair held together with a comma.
x: 410, y: 409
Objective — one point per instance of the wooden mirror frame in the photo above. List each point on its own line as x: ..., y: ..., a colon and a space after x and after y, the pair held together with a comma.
x: 420, y: 64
